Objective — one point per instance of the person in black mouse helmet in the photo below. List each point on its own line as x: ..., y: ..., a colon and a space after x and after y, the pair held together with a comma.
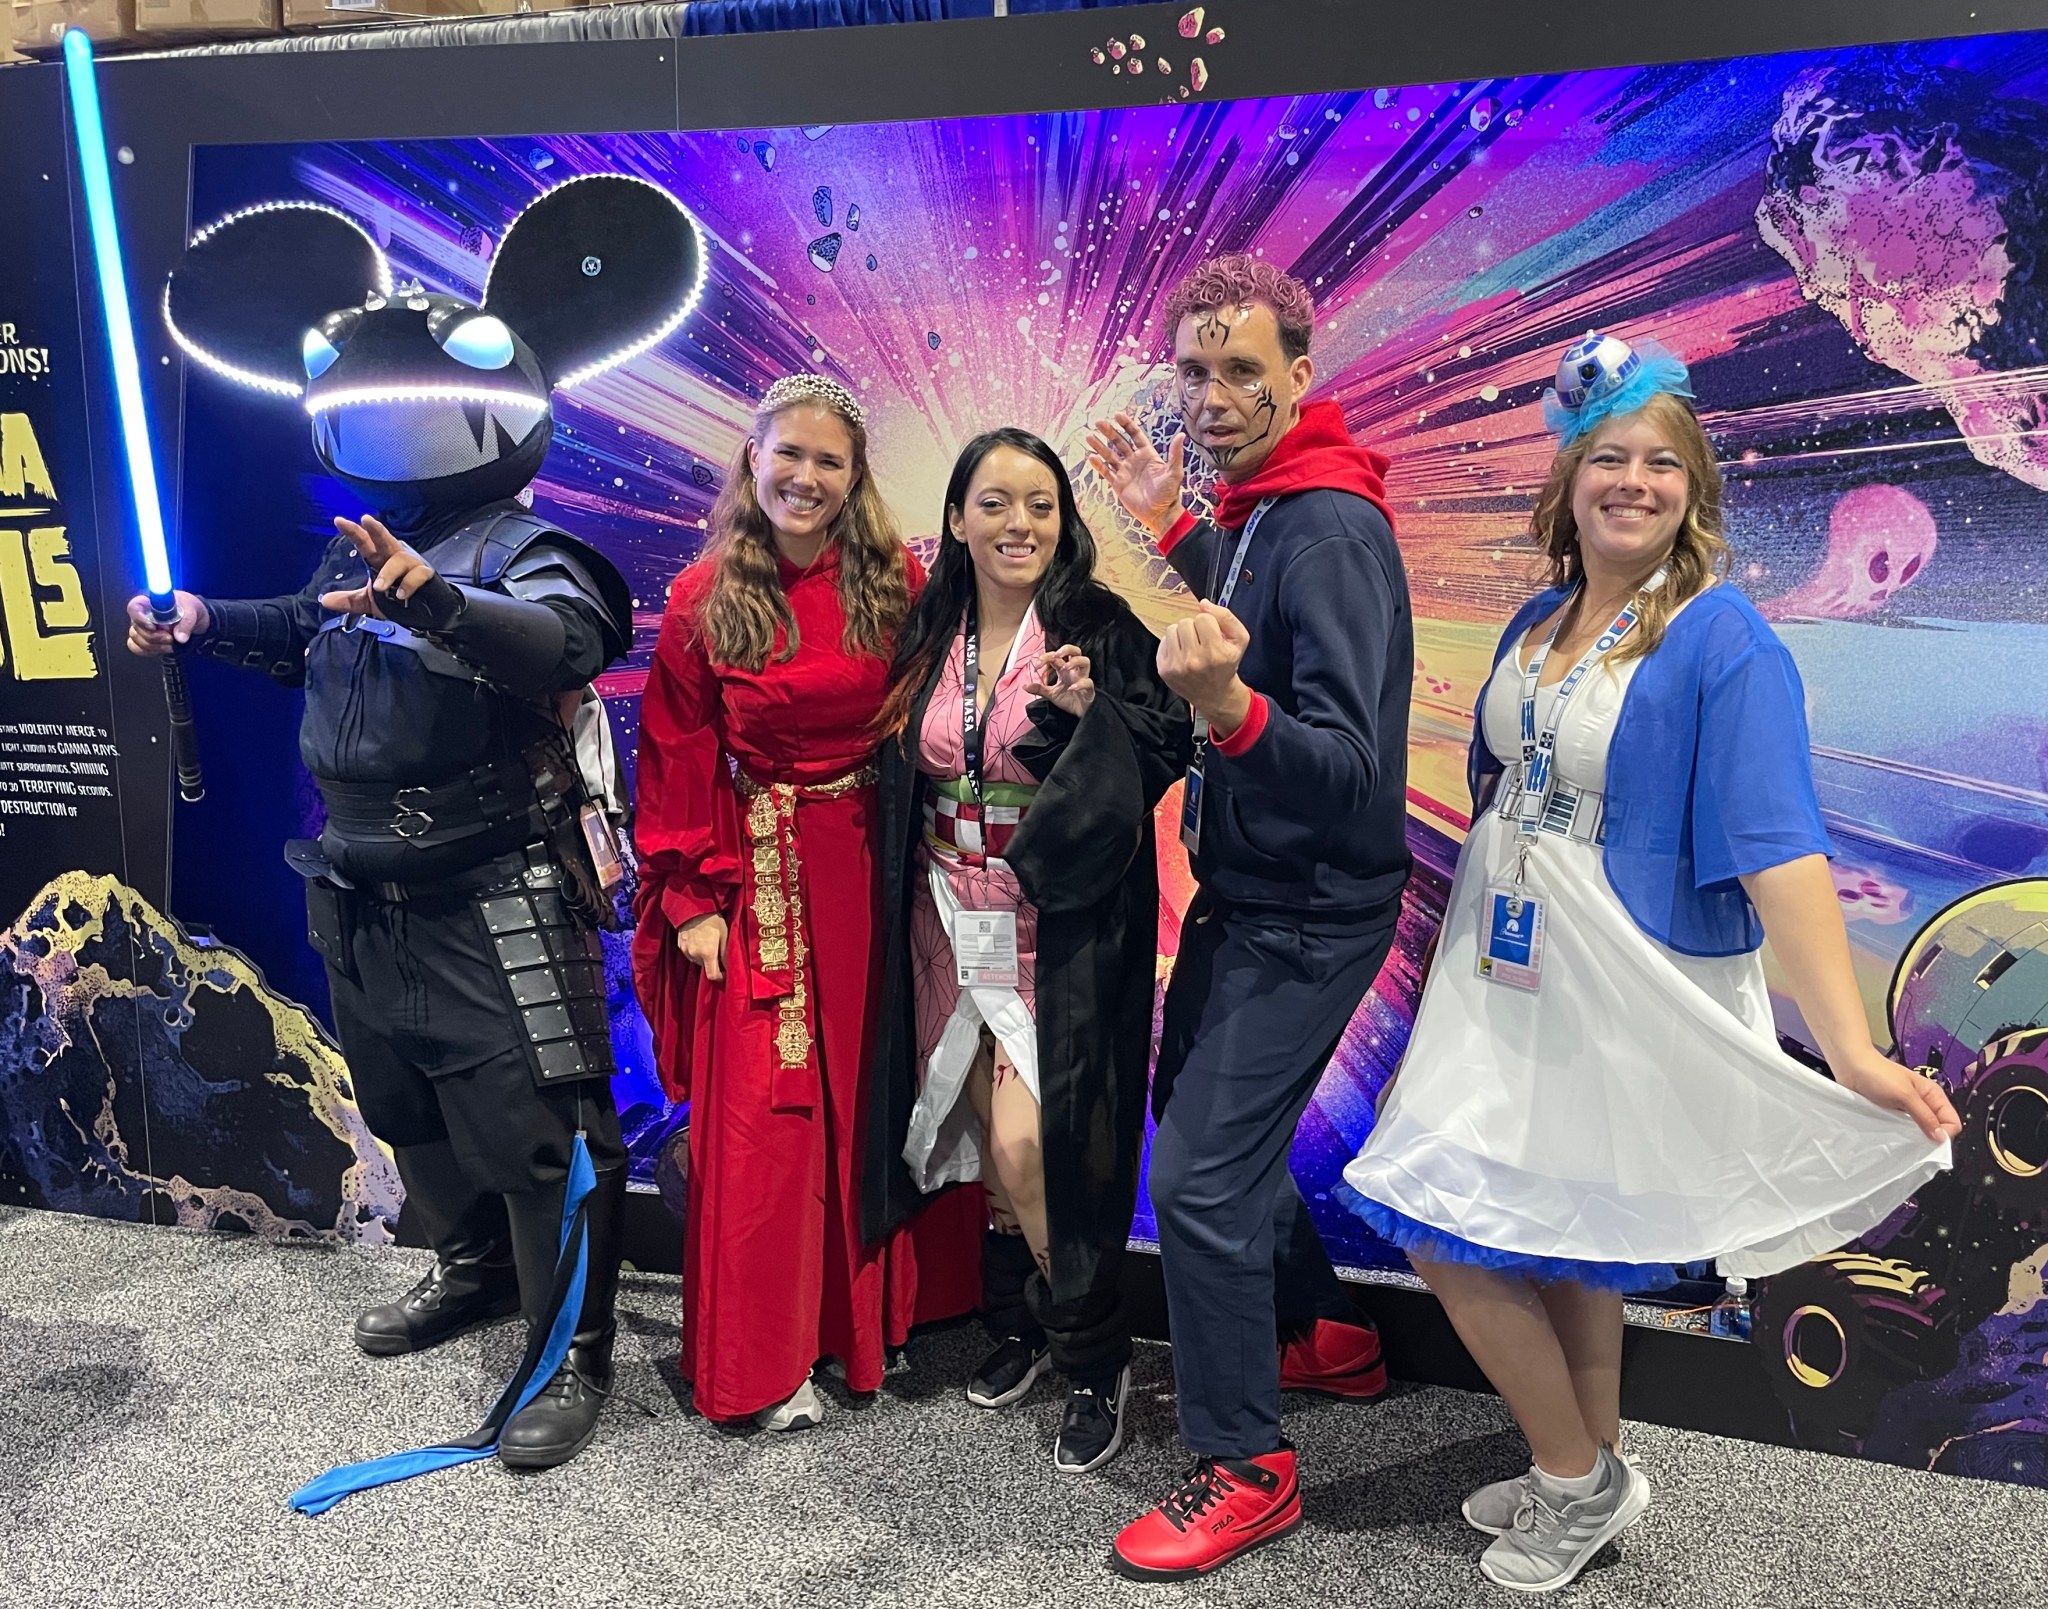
x: 446, y: 644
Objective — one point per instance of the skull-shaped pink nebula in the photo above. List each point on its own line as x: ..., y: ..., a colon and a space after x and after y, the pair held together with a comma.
x: 1879, y: 539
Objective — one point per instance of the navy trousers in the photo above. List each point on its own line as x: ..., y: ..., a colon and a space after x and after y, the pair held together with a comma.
x: 1257, y: 1005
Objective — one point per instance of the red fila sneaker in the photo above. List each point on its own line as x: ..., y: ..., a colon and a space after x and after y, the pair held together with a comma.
x: 1225, y: 1507
x: 1335, y: 1360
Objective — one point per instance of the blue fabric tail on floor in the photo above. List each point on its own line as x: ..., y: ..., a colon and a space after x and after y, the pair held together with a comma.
x: 545, y: 1350
x: 1436, y: 1246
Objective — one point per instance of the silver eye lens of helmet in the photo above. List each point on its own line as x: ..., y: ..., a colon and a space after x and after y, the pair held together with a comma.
x: 317, y: 353
x: 482, y: 342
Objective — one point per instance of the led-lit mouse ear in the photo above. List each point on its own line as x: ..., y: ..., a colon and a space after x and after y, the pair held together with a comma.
x: 251, y: 287
x: 596, y: 271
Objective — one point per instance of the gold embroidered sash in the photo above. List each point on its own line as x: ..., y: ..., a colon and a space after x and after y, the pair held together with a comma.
x: 777, y: 901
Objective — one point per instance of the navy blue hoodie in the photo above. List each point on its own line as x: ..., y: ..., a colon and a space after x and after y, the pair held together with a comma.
x: 1305, y: 805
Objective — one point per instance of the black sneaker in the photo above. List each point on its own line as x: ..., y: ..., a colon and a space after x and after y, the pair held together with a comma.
x: 1092, y: 1429
x: 1008, y: 1372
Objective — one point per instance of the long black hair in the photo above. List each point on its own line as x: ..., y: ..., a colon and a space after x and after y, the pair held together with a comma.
x: 1070, y: 601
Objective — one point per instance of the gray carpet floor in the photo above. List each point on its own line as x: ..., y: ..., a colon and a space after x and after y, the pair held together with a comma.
x: 164, y: 1391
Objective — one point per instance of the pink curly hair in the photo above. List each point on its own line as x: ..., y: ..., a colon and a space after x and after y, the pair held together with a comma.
x: 1237, y: 281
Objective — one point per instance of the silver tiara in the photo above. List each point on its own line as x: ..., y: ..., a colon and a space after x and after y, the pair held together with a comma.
x: 794, y: 388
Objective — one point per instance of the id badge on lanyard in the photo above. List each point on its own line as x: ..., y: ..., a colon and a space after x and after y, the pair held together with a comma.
x: 1511, y: 938
x: 1191, y: 790
x: 985, y: 949
x: 1512, y: 920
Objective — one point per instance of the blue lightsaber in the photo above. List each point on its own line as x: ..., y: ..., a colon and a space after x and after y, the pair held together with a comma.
x: 149, y: 513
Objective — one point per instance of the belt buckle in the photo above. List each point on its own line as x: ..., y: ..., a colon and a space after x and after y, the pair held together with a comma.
x: 411, y: 823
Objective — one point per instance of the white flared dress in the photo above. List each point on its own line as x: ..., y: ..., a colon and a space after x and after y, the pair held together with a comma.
x: 1633, y: 1113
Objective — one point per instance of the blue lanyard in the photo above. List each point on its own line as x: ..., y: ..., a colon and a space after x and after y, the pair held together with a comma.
x: 1539, y: 748
x: 1226, y: 584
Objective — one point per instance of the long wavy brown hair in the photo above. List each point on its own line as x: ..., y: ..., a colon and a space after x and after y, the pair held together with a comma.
x: 1699, y: 553
x: 746, y: 606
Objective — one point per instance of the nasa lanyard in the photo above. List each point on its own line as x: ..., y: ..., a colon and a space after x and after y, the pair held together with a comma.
x: 984, y: 942
x: 972, y: 730
x: 1511, y: 933
x: 1225, y: 585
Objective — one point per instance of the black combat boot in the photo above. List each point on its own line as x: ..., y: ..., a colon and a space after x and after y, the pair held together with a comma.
x: 473, y: 1280
x: 558, y: 1423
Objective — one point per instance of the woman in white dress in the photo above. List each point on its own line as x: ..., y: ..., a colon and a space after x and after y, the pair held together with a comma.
x: 1594, y: 1090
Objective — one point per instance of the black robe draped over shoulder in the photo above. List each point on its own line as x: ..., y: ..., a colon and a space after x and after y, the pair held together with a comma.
x: 1085, y: 857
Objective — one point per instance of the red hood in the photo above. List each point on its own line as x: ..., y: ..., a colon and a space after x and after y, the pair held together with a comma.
x: 1318, y: 454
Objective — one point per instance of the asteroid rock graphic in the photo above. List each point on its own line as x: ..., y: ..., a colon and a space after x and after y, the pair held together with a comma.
x: 139, y: 1062
x: 1909, y: 199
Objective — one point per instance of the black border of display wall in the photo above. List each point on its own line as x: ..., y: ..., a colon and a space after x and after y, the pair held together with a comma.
x: 161, y: 107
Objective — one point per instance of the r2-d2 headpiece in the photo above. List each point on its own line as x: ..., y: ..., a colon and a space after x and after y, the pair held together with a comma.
x: 1601, y: 377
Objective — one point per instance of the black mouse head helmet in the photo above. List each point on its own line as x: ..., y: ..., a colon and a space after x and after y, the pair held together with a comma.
x: 422, y: 398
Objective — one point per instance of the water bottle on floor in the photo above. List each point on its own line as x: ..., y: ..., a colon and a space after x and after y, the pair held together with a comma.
x: 1731, y: 1314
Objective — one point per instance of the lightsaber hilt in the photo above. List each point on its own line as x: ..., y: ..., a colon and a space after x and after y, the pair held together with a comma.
x: 163, y: 609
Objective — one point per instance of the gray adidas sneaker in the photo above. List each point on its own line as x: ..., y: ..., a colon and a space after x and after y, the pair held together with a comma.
x: 1550, y: 1543
x: 1492, y: 1509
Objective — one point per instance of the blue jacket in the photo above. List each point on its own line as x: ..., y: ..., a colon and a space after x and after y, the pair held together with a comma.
x: 1710, y: 776
x: 1305, y: 807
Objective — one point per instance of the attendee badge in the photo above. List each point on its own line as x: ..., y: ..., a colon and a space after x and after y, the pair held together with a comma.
x: 1511, y: 938
x: 985, y: 949
x: 1191, y: 795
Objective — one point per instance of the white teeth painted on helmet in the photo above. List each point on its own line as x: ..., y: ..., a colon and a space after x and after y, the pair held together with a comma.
x: 421, y: 438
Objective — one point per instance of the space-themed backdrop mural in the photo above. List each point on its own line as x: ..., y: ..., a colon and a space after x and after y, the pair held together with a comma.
x: 1843, y: 245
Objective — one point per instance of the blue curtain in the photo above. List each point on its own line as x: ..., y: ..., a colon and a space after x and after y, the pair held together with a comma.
x: 768, y: 16
x: 771, y: 16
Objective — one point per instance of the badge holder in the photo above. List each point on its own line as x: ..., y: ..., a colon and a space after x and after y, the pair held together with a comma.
x: 1191, y: 792
x: 1511, y: 938
x: 985, y: 949
x: 603, y: 844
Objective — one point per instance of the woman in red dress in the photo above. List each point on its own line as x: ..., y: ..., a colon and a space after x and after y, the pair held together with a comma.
x: 756, y: 954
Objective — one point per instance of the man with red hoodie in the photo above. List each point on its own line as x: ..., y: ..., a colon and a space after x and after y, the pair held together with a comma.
x: 1297, y: 665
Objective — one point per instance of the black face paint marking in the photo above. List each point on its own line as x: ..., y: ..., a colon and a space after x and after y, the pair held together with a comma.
x: 1213, y: 327
x: 1264, y: 411
x: 1264, y: 406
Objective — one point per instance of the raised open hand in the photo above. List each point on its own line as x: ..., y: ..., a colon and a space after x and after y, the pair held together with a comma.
x: 1146, y: 484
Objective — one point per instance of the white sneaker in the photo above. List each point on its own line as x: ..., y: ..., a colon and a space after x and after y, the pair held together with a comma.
x: 1553, y: 1540
x: 804, y: 1409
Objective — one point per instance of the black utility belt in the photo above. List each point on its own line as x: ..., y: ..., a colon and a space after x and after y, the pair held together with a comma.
x: 310, y: 861
x: 550, y: 958
x: 427, y: 817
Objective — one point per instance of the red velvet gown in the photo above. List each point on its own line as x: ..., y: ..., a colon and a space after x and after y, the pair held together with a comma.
x: 774, y: 1059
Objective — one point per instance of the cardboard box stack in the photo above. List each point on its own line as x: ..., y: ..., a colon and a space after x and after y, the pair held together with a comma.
x: 36, y: 27
x: 300, y: 14
x: 171, y: 22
